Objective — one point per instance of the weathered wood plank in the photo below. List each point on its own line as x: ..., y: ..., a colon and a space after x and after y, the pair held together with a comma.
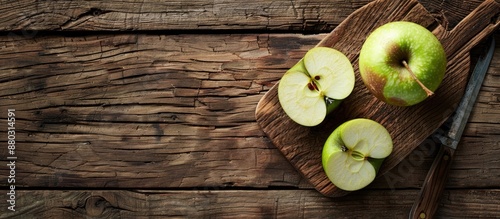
x: 315, y: 16
x: 471, y: 167
x: 467, y: 203
x: 142, y: 110
x: 175, y: 15
x: 177, y: 111
x: 145, y: 110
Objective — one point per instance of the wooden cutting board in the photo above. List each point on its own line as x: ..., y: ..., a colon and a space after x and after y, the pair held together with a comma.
x: 408, y: 126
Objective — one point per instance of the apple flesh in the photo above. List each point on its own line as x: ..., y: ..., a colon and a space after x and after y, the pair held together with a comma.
x: 354, y: 152
x: 316, y: 85
x: 402, y: 63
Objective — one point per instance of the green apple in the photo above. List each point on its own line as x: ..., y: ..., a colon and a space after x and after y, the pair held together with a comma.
x: 316, y: 85
x: 354, y: 152
x: 402, y: 63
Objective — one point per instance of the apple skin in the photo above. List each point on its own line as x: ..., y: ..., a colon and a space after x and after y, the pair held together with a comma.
x: 381, y: 68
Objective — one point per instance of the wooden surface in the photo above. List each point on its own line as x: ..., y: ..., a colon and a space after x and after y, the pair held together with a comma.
x: 408, y: 126
x: 157, y: 119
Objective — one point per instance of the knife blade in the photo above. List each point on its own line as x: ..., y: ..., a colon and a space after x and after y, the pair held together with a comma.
x: 449, y: 136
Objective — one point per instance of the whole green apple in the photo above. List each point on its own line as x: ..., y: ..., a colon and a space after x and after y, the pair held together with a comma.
x: 402, y: 63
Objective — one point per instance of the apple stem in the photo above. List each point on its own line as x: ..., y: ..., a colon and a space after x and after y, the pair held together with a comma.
x: 429, y: 92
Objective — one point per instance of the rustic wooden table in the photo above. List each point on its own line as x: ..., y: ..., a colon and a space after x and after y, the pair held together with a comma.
x: 146, y: 109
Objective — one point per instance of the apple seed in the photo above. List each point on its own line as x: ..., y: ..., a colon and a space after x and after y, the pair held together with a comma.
x: 312, y: 86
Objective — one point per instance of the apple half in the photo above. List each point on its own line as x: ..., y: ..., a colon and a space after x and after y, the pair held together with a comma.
x: 354, y: 152
x: 316, y: 85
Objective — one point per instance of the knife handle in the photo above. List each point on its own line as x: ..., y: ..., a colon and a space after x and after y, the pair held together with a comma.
x: 428, y: 199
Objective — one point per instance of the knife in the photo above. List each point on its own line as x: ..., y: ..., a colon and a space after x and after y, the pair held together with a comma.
x: 427, y: 201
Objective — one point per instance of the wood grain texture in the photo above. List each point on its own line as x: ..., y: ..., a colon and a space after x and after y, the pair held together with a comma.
x: 308, y: 16
x: 175, y: 15
x: 449, y: 13
x: 408, y: 126
x: 119, y: 109
x: 467, y: 203
x: 98, y: 112
x: 161, y: 111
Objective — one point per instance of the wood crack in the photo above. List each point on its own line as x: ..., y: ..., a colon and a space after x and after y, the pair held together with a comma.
x: 81, y: 18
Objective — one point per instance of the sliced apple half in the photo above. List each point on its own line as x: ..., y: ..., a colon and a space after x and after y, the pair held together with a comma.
x: 315, y: 85
x: 354, y: 152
